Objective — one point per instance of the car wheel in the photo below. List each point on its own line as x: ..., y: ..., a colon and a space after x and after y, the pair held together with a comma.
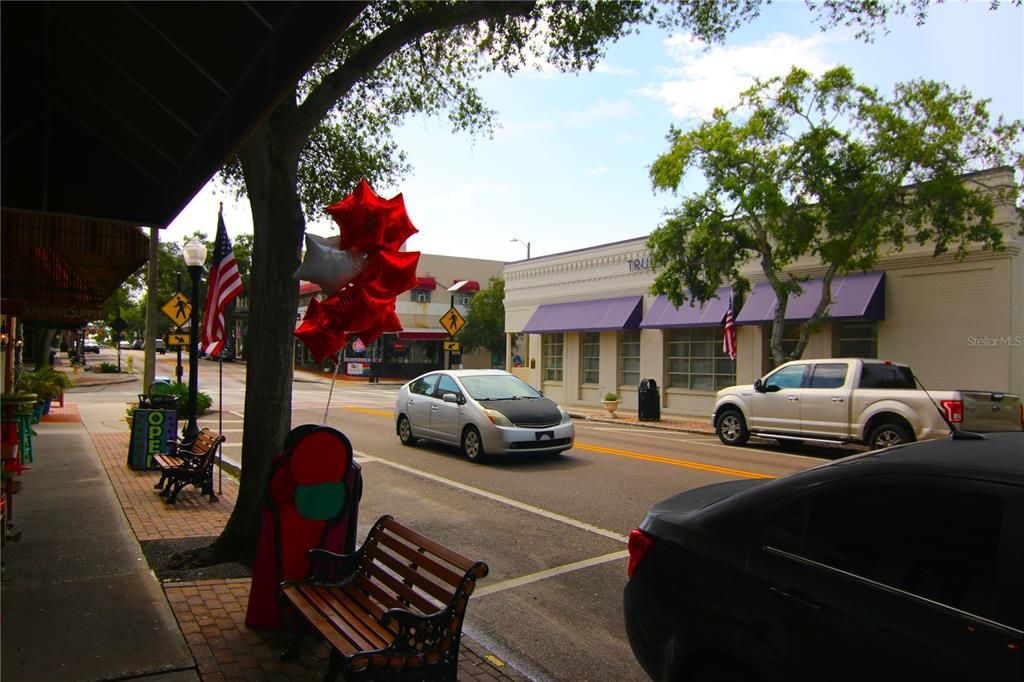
x: 887, y: 435
x: 732, y: 428
x: 405, y: 431
x: 472, y: 445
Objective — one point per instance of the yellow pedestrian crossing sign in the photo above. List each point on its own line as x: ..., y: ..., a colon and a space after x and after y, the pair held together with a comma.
x: 178, y: 309
x: 453, y: 321
x: 453, y: 346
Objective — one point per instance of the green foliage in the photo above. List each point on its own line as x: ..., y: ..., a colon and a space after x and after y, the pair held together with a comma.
x: 108, y: 368
x: 45, y: 382
x: 610, y: 397
x: 485, y: 319
x: 830, y: 169
x: 203, y: 400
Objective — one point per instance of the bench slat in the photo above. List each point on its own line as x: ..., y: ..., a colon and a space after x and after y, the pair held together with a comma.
x: 354, y: 623
x: 426, y: 562
x: 403, y: 592
x: 452, y: 557
x: 311, y: 612
x: 416, y: 577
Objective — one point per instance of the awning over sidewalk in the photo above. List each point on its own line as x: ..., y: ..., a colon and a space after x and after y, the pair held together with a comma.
x: 664, y: 315
x: 426, y: 283
x: 587, y: 316
x: 860, y: 296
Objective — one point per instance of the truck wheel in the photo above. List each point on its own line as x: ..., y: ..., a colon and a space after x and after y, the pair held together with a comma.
x: 732, y: 428
x: 889, y: 434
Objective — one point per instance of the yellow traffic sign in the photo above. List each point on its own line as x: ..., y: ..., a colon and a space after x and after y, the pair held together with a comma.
x: 178, y: 309
x: 453, y: 321
x: 178, y: 339
x: 453, y: 346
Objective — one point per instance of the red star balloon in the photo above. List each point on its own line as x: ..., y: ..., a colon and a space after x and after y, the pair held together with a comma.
x: 373, y: 230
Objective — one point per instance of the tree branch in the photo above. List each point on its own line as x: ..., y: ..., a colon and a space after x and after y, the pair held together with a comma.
x: 437, y: 18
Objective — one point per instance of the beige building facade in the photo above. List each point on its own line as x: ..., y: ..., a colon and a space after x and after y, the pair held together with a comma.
x: 584, y: 323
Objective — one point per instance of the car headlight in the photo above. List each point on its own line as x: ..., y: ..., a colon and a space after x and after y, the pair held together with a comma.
x: 497, y: 418
x: 565, y: 415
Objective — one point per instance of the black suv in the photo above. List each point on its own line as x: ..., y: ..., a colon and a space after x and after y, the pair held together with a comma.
x: 900, y: 564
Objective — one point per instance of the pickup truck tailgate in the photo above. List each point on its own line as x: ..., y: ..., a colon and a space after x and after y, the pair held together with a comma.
x: 987, y: 411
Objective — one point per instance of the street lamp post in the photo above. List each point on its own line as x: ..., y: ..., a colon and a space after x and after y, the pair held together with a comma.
x: 195, y: 257
x: 526, y: 244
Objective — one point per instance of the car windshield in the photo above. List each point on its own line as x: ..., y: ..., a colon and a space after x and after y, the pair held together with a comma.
x: 498, y: 387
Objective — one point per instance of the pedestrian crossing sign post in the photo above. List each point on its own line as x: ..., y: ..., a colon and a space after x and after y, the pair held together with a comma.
x: 453, y: 321
x: 178, y: 309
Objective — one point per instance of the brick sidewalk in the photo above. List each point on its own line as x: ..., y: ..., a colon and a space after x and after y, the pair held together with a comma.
x: 211, y: 613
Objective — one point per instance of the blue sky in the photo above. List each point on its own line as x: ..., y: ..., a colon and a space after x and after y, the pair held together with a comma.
x: 568, y: 166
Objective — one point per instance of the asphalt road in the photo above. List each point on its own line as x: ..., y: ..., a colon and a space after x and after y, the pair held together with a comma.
x: 553, y: 530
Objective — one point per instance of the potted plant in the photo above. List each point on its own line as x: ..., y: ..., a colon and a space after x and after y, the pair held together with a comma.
x: 45, y: 382
x: 611, y: 403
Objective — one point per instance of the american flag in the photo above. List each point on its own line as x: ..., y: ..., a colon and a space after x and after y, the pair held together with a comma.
x: 729, y: 340
x: 225, y: 283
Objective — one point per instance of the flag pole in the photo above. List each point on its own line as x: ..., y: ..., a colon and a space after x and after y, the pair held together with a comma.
x: 337, y: 364
x: 220, y: 424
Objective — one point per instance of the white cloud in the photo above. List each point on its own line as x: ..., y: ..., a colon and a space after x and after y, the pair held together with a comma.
x: 611, y: 70
x: 599, y: 169
x: 709, y: 78
x: 603, y: 110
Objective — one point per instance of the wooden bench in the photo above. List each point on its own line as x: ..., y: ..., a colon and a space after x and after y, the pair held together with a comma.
x: 392, y: 610
x: 192, y: 463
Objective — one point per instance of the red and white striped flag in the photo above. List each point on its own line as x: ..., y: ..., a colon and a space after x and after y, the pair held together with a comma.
x: 729, y: 340
x: 224, y: 285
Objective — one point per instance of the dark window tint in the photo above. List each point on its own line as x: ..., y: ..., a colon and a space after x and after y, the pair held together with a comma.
x: 425, y: 385
x: 447, y: 385
x: 938, y: 544
x: 831, y: 375
x: 876, y: 375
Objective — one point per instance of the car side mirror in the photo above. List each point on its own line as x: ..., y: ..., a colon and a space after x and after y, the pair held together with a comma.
x: 758, y: 386
x: 451, y: 398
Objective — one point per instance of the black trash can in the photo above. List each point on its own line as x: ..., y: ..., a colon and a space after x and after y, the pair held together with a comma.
x: 649, y: 402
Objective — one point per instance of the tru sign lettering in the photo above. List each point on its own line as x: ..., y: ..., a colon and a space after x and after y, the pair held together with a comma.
x: 637, y: 264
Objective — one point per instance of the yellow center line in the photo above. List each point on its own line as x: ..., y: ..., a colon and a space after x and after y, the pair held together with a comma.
x: 669, y: 460
x: 366, y: 410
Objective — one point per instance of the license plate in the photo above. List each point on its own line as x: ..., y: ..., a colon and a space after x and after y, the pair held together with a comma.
x: 541, y: 435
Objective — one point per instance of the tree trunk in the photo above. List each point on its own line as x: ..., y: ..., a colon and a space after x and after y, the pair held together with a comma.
x: 278, y: 225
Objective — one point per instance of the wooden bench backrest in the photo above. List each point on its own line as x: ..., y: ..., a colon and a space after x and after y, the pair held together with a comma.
x: 402, y: 569
x: 206, y: 440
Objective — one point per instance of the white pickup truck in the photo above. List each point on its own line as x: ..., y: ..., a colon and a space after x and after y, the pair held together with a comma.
x: 870, y: 402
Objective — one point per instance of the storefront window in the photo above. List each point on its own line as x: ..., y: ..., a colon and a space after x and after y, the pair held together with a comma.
x: 421, y: 295
x: 629, y: 357
x: 552, y: 345
x: 856, y: 339
x: 590, y: 357
x: 696, y: 360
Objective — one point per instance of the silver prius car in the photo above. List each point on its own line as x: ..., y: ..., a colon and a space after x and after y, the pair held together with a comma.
x: 483, y: 411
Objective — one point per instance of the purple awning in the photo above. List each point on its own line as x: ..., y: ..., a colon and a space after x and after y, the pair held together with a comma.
x: 586, y: 316
x: 860, y: 296
x: 664, y: 315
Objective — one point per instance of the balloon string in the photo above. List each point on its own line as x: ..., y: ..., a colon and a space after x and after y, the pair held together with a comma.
x: 337, y: 364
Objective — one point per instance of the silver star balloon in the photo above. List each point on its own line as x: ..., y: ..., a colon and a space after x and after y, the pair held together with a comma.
x: 328, y: 266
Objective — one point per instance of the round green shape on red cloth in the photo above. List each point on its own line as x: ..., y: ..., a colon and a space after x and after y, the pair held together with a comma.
x: 321, y: 457
x: 321, y: 501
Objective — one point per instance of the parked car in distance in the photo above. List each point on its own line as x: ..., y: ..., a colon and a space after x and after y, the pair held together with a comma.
x: 160, y: 345
x: 124, y: 344
x: 850, y: 400
x: 90, y: 346
x: 895, y: 564
x: 484, y: 412
x: 138, y: 344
